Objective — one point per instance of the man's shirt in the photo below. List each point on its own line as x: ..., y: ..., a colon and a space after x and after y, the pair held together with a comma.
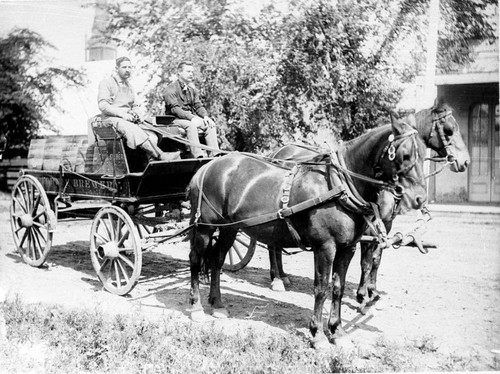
x: 183, y: 101
x: 114, y: 93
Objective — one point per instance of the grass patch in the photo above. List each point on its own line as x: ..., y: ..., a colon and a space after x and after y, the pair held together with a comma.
x: 43, y: 338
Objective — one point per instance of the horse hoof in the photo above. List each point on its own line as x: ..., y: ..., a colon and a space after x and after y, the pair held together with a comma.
x: 277, y: 285
x: 321, y: 343
x: 363, y: 309
x: 286, y: 281
x: 220, y: 313
x: 198, y: 316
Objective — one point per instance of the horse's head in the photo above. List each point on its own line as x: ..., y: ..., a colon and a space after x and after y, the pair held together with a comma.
x: 440, y: 131
x: 401, y: 161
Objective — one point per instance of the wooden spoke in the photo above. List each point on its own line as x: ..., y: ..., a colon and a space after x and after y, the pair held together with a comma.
x: 123, y: 238
x: 117, y: 273
x: 98, y: 236
x: 104, y: 263
x: 106, y: 228
x: 123, y: 270
x: 21, y: 204
x: 36, y: 204
x: 235, y: 249
x: 38, y: 215
x: 127, y: 261
x: 25, y: 235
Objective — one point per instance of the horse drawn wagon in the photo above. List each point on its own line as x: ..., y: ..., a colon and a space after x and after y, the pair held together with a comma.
x: 134, y: 203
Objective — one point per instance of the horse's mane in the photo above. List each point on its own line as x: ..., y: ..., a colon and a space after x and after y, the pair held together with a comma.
x: 349, y: 143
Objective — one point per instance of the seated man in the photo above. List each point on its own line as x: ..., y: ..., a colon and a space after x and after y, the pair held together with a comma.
x: 182, y: 101
x: 116, y: 100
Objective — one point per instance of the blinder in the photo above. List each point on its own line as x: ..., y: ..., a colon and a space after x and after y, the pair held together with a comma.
x: 394, y: 142
x: 438, y: 122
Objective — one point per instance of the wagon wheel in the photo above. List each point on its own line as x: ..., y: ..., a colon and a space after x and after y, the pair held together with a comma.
x: 240, y: 253
x: 115, y: 250
x: 31, y: 220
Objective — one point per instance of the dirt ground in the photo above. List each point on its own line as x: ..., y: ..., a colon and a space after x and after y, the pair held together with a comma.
x: 450, y: 295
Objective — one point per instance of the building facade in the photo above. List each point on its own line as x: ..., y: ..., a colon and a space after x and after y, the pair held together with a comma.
x: 473, y: 92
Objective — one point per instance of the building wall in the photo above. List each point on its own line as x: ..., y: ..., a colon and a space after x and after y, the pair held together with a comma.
x: 448, y: 186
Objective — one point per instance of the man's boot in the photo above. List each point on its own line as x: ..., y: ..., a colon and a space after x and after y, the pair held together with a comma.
x: 156, y: 154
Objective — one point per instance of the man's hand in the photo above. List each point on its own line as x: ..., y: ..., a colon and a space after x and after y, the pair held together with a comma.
x: 126, y: 115
x: 208, y: 121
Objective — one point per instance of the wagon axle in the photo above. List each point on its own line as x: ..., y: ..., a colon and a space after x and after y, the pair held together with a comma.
x: 26, y: 220
x: 108, y: 250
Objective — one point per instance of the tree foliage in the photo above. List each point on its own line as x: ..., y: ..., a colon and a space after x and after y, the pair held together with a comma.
x: 339, y: 64
x: 28, y: 90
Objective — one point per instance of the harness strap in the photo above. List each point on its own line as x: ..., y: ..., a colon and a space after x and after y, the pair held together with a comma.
x: 285, y: 198
x: 376, y: 225
x: 282, y: 213
x: 356, y: 199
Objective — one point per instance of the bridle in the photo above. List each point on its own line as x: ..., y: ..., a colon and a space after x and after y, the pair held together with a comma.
x: 389, y: 151
x: 437, y: 126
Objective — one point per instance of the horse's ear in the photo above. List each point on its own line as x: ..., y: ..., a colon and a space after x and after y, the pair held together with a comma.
x: 411, y: 120
x: 398, y: 127
x: 438, y: 102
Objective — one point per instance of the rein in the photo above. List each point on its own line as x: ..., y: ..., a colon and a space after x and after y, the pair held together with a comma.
x: 338, y: 191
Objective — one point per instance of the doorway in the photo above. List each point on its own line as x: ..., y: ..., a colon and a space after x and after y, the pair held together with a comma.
x: 484, y: 141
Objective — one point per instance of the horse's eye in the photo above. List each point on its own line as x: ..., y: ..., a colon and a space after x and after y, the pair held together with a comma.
x: 407, y: 157
x: 448, y: 129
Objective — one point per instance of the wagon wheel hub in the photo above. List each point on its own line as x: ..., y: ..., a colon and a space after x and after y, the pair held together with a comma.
x: 26, y: 220
x: 109, y: 250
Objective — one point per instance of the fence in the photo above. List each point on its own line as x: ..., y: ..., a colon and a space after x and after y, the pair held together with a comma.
x: 9, y: 172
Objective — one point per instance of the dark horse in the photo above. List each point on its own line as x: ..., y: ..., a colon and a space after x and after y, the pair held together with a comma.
x: 245, y: 192
x: 440, y: 132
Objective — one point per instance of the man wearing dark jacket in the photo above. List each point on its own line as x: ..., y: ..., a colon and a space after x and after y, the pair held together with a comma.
x: 182, y: 100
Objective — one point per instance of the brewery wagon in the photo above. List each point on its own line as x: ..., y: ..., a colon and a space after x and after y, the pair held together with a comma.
x: 134, y: 203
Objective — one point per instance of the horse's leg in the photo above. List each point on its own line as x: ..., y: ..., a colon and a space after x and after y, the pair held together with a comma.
x: 340, y: 265
x: 200, y: 242
x: 279, y: 260
x: 372, y: 279
x: 323, y: 259
x: 217, y: 257
x: 376, y: 258
x: 362, y: 294
x: 278, y: 276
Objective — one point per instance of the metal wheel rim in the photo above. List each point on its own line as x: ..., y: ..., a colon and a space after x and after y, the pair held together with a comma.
x: 119, y: 274
x: 240, y: 253
x: 30, y: 201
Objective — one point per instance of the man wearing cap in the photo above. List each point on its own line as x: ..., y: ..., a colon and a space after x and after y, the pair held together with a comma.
x: 182, y: 101
x: 116, y: 101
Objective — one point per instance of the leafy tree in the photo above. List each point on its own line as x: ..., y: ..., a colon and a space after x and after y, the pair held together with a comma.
x: 28, y: 90
x: 320, y: 63
x: 346, y: 61
x: 235, y: 55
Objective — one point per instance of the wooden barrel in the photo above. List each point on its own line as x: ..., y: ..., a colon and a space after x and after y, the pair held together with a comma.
x: 69, y: 154
x: 53, y: 152
x: 81, y: 157
x: 36, y: 153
